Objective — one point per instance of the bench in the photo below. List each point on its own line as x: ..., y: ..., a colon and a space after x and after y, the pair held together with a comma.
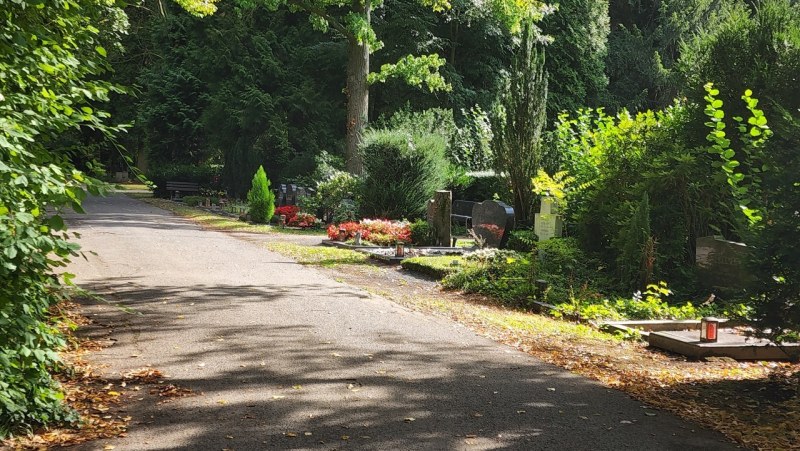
x: 462, y: 212
x: 177, y: 188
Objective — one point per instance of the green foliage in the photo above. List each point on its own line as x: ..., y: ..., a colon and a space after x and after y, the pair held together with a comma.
x: 511, y: 276
x: 401, y: 172
x: 518, y: 123
x: 52, y: 61
x: 576, y: 56
x: 480, y: 186
x: 421, y: 233
x: 747, y: 45
x: 636, y: 248
x: 615, y: 160
x: 777, y: 245
x: 438, y: 266
x: 470, y: 145
x: 746, y: 188
x: 502, y: 274
x: 193, y: 201
x: 260, y: 198
x: 652, y: 306
x: 522, y: 240
x: 416, y: 71
x: 335, y: 197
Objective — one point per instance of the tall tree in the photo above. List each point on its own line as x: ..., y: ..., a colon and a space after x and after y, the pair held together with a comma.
x: 353, y: 21
x: 519, y: 121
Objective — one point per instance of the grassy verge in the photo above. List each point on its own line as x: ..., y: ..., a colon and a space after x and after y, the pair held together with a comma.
x: 319, y: 255
x: 131, y: 187
x: 219, y: 222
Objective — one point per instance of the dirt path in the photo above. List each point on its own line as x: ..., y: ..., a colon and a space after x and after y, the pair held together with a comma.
x: 280, y: 356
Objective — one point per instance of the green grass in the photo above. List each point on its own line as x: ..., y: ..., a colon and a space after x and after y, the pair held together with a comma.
x: 130, y: 186
x: 319, y: 255
x: 437, y: 266
x: 219, y: 222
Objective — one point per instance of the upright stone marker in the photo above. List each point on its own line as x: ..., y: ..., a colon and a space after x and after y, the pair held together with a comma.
x: 721, y: 264
x: 291, y: 195
x: 439, y: 209
x: 548, y: 223
x: 282, y: 195
x: 492, y: 221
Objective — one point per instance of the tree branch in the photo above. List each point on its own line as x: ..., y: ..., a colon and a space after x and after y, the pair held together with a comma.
x: 338, y: 26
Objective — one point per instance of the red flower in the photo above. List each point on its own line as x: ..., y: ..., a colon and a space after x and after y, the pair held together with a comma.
x: 290, y: 211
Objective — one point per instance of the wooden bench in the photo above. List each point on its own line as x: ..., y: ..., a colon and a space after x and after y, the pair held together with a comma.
x: 176, y: 189
x: 462, y: 212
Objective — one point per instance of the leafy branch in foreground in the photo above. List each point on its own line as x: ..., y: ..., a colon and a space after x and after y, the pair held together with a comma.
x: 52, y: 60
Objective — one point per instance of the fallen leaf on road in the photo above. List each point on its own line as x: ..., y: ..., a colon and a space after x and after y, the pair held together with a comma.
x: 409, y: 419
x: 291, y: 434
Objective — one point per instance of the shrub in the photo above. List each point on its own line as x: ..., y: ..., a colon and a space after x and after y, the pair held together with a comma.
x: 522, y: 240
x: 193, y: 201
x: 260, y: 198
x: 332, y: 195
x: 401, y: 172
x: 304, y: 220
x: 421, y: 233
x: 289, y: 211
x: 501, y: 274
x: 346, y: 210
x: 480, y: 186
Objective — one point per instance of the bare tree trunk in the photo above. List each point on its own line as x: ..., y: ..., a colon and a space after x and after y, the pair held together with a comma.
x: 357, y: 94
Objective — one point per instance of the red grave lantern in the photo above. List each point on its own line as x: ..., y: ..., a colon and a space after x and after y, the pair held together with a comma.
x: 709, y: 330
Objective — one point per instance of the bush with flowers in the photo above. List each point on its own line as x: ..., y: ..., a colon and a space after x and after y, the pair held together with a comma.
x: 289, y: 211
x: 303, y: 220
x: 377, y: 231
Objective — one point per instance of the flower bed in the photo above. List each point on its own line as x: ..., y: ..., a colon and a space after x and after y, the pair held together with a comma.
x: 377, y: 231
x: 303, y: 220
x: 289, y: 211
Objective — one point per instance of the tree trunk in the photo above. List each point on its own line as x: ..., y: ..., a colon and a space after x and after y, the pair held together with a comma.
x: 357, y: 94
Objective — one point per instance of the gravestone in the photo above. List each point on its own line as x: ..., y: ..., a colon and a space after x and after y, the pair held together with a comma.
x: 548, y: 223
x: 721, y: 264
x: 492, y: 221
x: 291, y: 195
x: 301, y: 193
x: 439, y: 209
x: 282, y: 195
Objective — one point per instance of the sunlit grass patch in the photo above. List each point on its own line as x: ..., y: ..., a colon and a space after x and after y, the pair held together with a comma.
x: 219, y: 222
x: 318, y: 255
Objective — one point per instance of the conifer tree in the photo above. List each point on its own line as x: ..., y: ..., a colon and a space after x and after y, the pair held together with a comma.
x: 260, y: 198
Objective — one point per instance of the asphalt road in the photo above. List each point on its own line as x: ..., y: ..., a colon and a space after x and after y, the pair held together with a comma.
x: 280, y: 356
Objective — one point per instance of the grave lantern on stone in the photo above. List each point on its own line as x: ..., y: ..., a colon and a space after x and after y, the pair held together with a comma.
x: 709, y: 329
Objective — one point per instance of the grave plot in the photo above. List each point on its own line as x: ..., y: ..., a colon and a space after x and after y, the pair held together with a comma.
x: 694, y: 339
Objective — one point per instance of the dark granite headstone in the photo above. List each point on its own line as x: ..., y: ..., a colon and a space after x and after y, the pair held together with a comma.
x: 291, y: 195
x: 282, y: 195
x: 721, y: 264
x: 492, y: 221
x: 301, y: 192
